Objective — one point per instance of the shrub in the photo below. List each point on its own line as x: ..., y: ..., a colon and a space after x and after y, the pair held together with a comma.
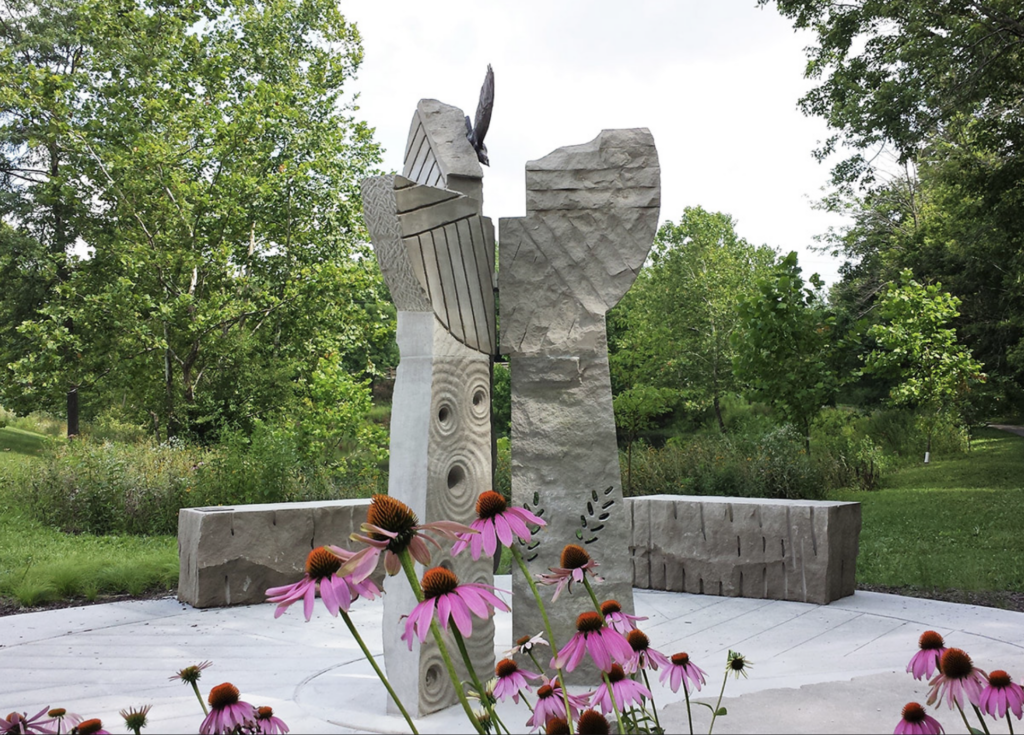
x: 845, y: 455
x: 902, y: 433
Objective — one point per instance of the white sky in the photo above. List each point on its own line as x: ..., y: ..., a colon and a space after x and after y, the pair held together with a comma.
x: 716, y: 81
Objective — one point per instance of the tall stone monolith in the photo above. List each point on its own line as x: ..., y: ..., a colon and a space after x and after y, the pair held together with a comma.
x: 591, y: 216
x: 436, y: 252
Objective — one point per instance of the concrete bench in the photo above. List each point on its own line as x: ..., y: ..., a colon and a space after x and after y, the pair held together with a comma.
x: 230, y: 555
x: 800, y: 550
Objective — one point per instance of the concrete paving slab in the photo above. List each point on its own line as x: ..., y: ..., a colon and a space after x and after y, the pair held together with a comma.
x: 836, y: 668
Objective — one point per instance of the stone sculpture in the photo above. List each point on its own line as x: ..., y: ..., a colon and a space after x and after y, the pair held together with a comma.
x: 592, y: 212
x: 436, y: 252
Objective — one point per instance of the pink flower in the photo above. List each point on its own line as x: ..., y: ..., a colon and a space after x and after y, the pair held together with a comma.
x: 391, y: 527
x: 1002, y: 695
x: 227, y: 712
x: 511, y: 680
x: 576, y: 563
x: 322, y: 565
x: 958, y: 677
x: 62, y: 720
x: 526, y: 644
x: 496, y: 521
x: 680, y: 670
x: 644, y: 657
x: 592, y: 635
x: 267, y: 724
x: 453, y: 601
x: 917, y: 722
x: 91, y: 727
x: 617, y: 619
x: 926, y: 661
x: 19, y: 722
x: 550, y: 705
x: 626, y: 691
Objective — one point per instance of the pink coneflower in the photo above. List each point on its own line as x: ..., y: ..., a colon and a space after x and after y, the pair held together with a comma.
x: 65, y: 720
x: 926, y: 661
x: 617, y: 619
x: 576, y: 563
x: 135, y: 719
x: 550, y: 705
x: 626, y: 691
x: 496, y: 521
x: 1002, y: 695
x: 592, y: 634
x: 226, y: 711
x: 957, y: 677
x: 644, y: 657
x: 917, y: 722
x: 512, y: 680
x: 19, y: 722
x: 267, y: 724
x: 525, y: 644
x: 322, y: 565
x: 453, y: 601
x: 680, y: 670
x: 557, y: 726
x: 90, y: 727
x: 592, y: 722
x: 191, y: 674
x: 391, y: 527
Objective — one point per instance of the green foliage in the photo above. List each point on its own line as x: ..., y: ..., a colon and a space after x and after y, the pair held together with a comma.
x: 501, y: 401
x: 672, y: 328
x: 844, y: 452
x: 206, y: 155
x: 902, y: 433
x: 503, y: 468
x: 784, y: 346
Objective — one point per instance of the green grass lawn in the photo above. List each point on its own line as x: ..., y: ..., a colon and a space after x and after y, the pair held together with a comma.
x: 955, y: 523
x: 40, y: 564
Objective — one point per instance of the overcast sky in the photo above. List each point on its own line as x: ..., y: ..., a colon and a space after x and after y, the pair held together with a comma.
x: 716, y: 81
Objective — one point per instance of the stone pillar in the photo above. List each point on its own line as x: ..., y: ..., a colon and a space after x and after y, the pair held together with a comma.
x: 436, y: 252
x: 592, y: 212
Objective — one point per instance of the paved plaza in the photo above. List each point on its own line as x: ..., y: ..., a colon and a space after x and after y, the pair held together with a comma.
x: 817, y: 668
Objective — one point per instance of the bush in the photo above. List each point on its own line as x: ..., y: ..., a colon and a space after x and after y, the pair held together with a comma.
x: 503, y: 469
x: 903, y: 433
x: 108, y: 488
x: 845, y: 455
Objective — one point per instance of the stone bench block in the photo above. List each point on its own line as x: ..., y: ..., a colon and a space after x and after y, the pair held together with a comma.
x: 230, y: 555
x: 801, y: 550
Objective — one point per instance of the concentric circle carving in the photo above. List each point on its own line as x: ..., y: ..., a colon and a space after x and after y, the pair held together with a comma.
x: 436, y: 691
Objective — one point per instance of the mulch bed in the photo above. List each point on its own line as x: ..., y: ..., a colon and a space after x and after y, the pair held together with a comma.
x: 9, y: 606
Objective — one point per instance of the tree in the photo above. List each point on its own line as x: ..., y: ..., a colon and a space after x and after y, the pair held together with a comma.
x: 679, y: 315
x: 920, y: 351
x: 635, y: 411
x: 220, y: 165
x: 784, y: 346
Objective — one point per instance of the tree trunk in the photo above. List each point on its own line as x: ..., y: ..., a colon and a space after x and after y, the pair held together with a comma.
x: 718, y: 413
x: 73, y: 413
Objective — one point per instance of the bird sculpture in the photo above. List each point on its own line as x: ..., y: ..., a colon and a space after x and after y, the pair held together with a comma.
x: 476, y: 131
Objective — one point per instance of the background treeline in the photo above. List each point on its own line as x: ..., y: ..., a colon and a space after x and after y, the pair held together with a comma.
x: 188, y: 289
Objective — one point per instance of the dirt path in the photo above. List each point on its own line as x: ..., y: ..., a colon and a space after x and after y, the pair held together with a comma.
x: 1018, y: 430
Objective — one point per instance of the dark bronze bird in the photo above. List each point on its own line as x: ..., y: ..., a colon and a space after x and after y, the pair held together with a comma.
x: 478, y: 130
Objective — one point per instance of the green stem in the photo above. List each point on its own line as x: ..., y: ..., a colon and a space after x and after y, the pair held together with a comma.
x: 654, y: 704
x: 615, y: 705
x: 376, y: 668
x: 714, y: 715
x: 966, y: 723
x: 982, y: 719
x: 195, y: 688
x: 414, y: 582
x: 484, y: 699
x: 1010, y: 724
x: 517, y: 555
x: 689, y: 715
x: 590, y: 590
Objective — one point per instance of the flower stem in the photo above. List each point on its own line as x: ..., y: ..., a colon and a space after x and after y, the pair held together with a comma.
x: 590, y: 590
x: 414, y: 582
x: 615, y: 705
x: 689, y: 715
x: 518, y: 556
x: 982, y: 719
x: 484, y: 700
x: 654, y: 704
x: 376, y: 668
x: 195, y: 688
x: 1010, y: 724
x: 714, y: 715
x: 969, y: 728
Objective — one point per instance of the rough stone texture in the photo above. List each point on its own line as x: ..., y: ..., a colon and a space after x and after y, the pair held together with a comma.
x: 801, y: 550
x: 436, y: 252
x: 231, y: 555
x: 592, y: 211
